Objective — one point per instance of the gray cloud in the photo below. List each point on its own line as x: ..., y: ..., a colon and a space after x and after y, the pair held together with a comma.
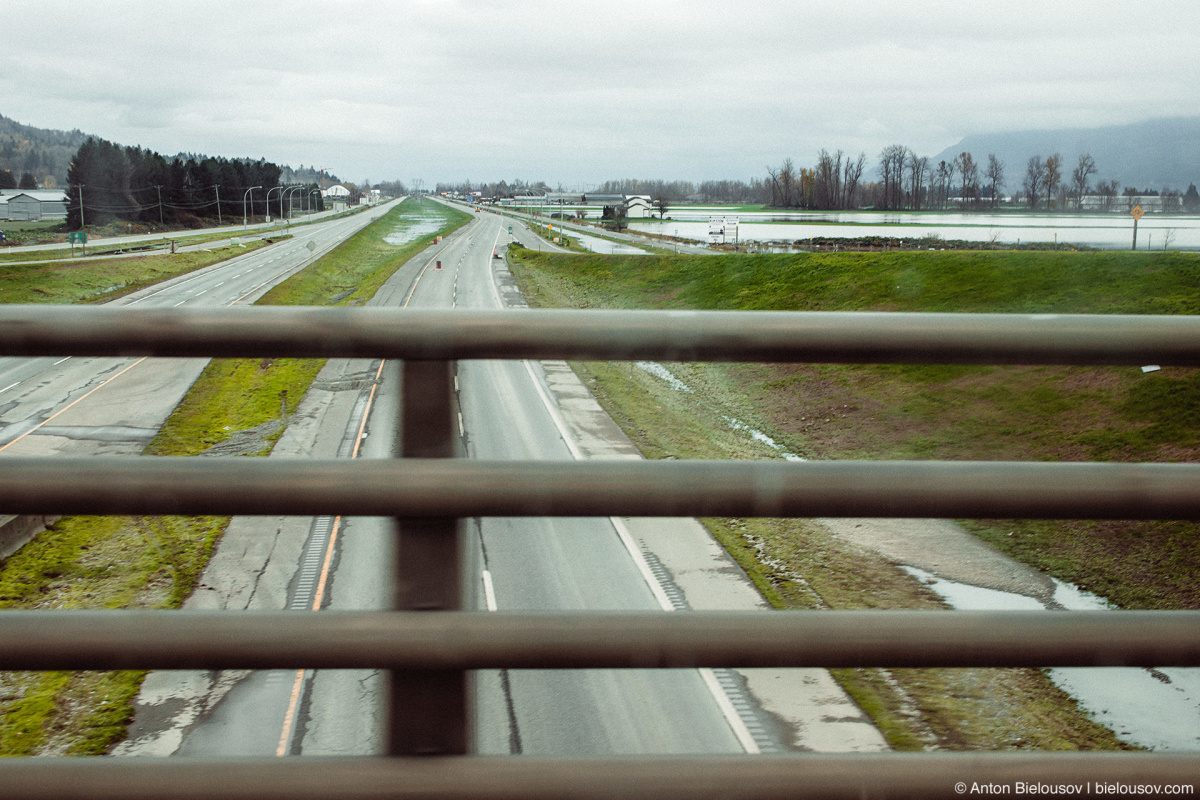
x: 447, y: 89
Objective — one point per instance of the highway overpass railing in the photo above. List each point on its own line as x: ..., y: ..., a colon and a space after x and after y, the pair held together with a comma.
x: 429, y: 642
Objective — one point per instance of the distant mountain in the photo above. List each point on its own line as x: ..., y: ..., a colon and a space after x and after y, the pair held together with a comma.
x: 45, y: 154
x: 1155, y: 154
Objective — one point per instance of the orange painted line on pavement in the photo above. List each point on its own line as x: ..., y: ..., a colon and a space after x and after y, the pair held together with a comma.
x: 66, y: 408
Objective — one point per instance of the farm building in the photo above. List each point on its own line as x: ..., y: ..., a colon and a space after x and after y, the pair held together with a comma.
x: 33, y: 204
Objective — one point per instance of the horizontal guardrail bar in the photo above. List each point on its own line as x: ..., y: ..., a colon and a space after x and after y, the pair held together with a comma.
x: 467, y: 488
x: 919, y: 776
x: 36, y: 640
x: 765, y: 336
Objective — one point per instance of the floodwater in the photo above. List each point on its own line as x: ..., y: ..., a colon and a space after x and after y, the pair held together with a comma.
x: 413, y: 226
x: 608, y: 248
x: 1158, y: 709
x: 1107, y: 231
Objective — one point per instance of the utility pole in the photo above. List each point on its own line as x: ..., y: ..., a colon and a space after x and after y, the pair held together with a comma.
x: 81, y: 222
x: 217, y: 187
x: 160, y: 214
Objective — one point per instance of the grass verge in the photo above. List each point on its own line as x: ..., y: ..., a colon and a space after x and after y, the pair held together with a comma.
x: 822, y: 411
x: 145, y: 562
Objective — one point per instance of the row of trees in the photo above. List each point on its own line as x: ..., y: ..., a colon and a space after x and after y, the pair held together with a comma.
x: 909, y: 181
x: 906, y: 181
x: 107, y: 181
x: 9, y: 181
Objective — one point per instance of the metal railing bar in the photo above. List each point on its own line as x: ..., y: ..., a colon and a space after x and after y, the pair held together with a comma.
x: 71, y: 640
x: 466, y: 488
x: 764, y: 336
x: 930, y: 776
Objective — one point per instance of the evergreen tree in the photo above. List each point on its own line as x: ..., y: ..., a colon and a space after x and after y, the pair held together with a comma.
x: 28, y: 181
x: 1191, y: 199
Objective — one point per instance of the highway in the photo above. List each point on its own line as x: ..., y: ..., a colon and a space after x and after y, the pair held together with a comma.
x: 94, y: 406
x: 530, y: 564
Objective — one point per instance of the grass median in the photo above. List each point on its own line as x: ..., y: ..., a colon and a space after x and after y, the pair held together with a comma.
x: 119, y: 562
x: 917, y: 412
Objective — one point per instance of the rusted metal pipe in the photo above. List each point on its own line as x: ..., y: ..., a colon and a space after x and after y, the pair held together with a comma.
x: 764, y: 336
x: 433, y: 641
x: 915, y: 776
x: 464, y: 488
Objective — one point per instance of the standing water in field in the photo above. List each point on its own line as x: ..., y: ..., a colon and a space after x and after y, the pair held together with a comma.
x: 1158, y: 709
x: 413, y: 226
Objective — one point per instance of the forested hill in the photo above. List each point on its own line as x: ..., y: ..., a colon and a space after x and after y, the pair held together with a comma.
x: 1156, y: 154
x: 46, y: 155
x: 40, y: 152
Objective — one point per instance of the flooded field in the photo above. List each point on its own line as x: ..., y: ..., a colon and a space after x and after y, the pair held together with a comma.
x: 1107, y: 231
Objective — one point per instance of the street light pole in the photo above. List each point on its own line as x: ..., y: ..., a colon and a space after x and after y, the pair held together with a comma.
x: 291, y: 201
x: 274, y: 189
x: 217, y: 187
x: 248, y: 191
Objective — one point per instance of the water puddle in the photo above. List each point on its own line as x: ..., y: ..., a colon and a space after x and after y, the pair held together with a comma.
x: 604, y: 246
x: 1155, y: 708
x: 665, y: 375
x: 412, y: 227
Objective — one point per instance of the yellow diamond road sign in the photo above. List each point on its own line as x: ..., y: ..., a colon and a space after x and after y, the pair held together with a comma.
x: 1137, y: 212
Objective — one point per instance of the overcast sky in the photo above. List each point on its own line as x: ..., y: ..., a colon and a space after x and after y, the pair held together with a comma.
x: 580, y: 92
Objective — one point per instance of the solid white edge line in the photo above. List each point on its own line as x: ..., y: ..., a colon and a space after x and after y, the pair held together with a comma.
x: 11, y: 385
x: 639, y: 560
x: 489, y: 591
x: 744, y: 737
x: 732, y: 718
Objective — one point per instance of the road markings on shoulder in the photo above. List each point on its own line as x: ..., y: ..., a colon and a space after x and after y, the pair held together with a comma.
x: 732, y: 717
x: 290, y: 718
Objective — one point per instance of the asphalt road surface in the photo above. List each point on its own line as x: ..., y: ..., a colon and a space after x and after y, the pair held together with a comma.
x: 514, y: 564
x: 107, y: 406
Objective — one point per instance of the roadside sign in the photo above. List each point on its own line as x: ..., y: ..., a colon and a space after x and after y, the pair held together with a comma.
x: 77, y: 237
x: 1137, y: 212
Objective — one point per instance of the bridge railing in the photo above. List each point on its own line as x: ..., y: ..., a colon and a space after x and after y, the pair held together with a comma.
x: 428, y: 643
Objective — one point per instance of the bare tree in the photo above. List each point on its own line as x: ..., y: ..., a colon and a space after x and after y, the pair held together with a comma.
x: 828, y: 179
x: 917, y: 167
x: 885, y: 172
x: 1079, y: 178
x: 944, y: 173
x: 995, y: 176
x: 1035, y: 178
x: 969, y: 172
x: 1053, y: 177
x: 783, y: 184
x: 851, y: 174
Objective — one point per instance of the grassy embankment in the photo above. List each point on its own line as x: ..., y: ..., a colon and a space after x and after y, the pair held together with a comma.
x: 917, y: 412
x: 117, y: 562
